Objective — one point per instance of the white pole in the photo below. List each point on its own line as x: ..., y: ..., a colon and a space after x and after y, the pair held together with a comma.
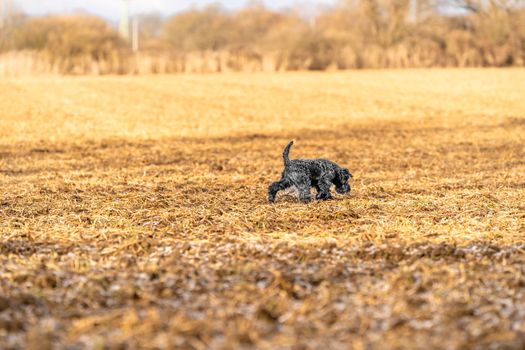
x: 124, y: 19
x: 2, y: 13
x: 9, y: 11
x: 135, y: 36
x: 413, y: 11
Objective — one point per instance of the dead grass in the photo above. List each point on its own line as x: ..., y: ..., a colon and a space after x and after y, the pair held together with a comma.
x: 133, y: 212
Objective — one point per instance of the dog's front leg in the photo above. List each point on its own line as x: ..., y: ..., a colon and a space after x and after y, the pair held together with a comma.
x: 324, y: 190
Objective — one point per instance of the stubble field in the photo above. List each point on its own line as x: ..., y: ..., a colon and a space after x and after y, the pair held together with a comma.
x: 133, y: 212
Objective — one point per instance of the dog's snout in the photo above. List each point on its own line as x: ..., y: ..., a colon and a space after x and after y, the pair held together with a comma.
x: 343, y: 189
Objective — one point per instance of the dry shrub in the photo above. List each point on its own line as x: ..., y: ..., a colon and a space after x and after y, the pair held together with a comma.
x: 195, y: 30
x: 77, y: 44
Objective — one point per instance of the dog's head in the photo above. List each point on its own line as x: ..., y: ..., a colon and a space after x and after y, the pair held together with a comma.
x: 342, y: 175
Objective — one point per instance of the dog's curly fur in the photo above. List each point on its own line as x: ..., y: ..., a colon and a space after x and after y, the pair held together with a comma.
x: 306, y: 173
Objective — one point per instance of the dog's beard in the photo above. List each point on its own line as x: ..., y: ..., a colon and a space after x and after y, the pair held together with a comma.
x: 343, y: 189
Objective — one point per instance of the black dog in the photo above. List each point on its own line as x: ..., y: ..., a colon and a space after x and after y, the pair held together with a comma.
x: 306, y: 173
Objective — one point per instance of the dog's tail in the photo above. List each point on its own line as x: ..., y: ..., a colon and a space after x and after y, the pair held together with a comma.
x: 286, y: 153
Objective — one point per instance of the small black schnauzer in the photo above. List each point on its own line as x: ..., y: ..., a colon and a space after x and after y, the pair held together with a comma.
x: 306, y: 173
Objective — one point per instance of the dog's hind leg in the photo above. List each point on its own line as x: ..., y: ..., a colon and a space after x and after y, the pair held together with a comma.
x: 304, y: 191
x: 303, y: 184
x: 304, y: 194
x: 276, y: 187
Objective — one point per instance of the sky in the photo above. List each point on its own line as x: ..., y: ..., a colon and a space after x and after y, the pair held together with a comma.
x: 110, y: 9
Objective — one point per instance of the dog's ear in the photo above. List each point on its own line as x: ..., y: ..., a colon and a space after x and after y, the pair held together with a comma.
x: 340, y: 177
x: 343, y: 174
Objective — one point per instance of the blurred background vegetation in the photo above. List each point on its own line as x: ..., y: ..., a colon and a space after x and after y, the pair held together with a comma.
x: 350, y: 34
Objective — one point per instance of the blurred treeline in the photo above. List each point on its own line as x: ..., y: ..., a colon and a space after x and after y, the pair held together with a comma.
x: 351, y: 34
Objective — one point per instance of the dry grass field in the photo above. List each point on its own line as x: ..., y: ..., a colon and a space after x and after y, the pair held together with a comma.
x: 133, y: 212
